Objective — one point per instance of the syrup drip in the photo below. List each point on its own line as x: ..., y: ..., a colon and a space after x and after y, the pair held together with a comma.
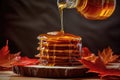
x: 69, y: 51
x: 54, y: 54
x: 61, y: 7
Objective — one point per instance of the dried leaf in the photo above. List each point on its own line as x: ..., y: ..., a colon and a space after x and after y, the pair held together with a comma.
x: 107, y: 55
x: 88, y: 55
x: 7, y: 59
x: 99, y: 67
x: 85, y: 52
x: 96, y: 66
x: 4, y: 51
x: 26, y: 61
x: 91, y: 58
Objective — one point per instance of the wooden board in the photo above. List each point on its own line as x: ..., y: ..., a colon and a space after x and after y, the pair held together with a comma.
x: 50, y: 71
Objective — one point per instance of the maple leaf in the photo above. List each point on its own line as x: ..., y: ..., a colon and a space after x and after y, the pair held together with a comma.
x: 9, y: 60
x: 107, y: 55
x: 96, y: 66
x: 6, y: 59
x: 26, y: 61
x: 88, y: 55
x: 4, y: 51
x: 99, y: 67
x: 85, y: 52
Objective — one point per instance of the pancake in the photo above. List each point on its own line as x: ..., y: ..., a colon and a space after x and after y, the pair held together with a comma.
x: 59, y: 49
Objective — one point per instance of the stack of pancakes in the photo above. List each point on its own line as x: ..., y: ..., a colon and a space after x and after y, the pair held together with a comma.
x: 59, y: 49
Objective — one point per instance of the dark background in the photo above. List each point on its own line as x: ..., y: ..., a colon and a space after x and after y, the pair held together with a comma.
x: 21, y: 21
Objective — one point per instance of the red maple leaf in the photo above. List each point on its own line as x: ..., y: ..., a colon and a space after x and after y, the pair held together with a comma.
x: 85, y: 52
x: 99, y: 67
x: 88, y: 55
x: 26, y: 61
x: 7, y: 59
x: 4, y: 51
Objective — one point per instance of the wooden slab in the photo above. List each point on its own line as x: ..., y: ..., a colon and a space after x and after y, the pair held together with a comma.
x: 50, y: 71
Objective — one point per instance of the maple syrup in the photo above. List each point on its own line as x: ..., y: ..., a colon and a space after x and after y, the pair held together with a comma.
x: 61, y: 6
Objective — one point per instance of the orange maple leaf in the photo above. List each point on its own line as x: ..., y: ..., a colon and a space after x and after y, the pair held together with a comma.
x: 107, y: 55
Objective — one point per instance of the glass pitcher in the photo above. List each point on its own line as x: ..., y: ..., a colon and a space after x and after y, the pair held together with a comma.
x: 90, y: 9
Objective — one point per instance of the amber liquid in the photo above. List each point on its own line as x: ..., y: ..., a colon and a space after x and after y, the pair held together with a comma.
x: 96, y: 9
x: 61, y: 6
